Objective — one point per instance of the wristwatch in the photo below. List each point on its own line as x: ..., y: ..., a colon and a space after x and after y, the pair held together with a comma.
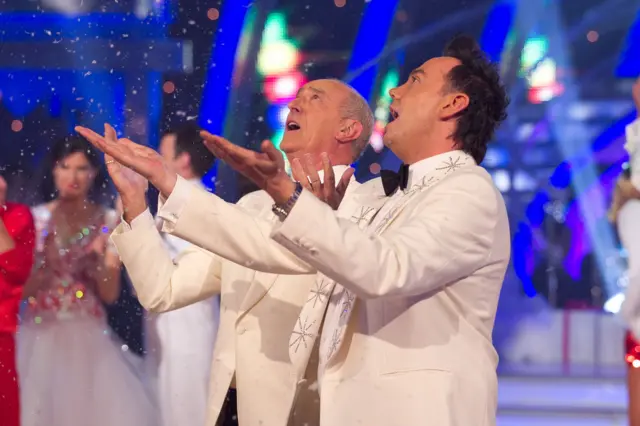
x: 282, y: 211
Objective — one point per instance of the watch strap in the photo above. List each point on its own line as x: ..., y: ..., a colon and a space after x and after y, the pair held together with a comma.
x: 283, y: 210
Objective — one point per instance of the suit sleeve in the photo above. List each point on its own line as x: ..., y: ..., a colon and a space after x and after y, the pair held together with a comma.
x: 632, y: 145
x: 161, y: 283
x: 447, y: 238
x: 236, y: 232
x: 16, y: 264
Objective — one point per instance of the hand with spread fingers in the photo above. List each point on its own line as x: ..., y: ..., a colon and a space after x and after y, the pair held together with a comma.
x: 139, y: 158
x: 131, y: 186
x: 266, y: 169
x: 306, y: 173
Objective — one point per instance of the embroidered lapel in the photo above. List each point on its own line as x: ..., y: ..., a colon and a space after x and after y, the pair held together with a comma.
x: 361, y: 209
x: 307, y: 327
x: 332, y: 339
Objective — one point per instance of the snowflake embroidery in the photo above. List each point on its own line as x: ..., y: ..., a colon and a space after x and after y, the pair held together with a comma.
x: 301, y: 334
x: 348, y: 303
x: 335, y: 343
x: 387, y: 217
x: 425, y: 183
x: 363, y: 215
x: 451, y: 165
x: 319, y: 293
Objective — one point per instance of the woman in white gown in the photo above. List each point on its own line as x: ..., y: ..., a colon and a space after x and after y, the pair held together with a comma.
x: 72, y: 371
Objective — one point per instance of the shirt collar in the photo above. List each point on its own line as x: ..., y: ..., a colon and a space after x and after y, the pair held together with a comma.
x: 196, y: 181
x: 445, y: 161
x: 338, y: 171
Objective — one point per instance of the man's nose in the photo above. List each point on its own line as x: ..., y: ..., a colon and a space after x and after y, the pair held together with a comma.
x: 294, y: 105
x: 393, y: 93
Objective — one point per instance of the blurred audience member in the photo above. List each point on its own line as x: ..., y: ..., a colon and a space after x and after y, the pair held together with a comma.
x: 180, y: 342
x: 72, y: 373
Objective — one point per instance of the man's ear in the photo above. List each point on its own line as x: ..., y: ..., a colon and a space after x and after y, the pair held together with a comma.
x: 453, y: 104
x: 350, y: 130
x: 183, y: 160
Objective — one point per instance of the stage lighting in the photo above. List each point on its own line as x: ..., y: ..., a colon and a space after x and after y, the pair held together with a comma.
x: 283, y: 88
x: 69, y: 7
x: 277, y: 57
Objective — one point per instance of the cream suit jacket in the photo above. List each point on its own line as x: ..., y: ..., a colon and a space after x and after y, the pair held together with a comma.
x: 418, y: 287
x: 258, y: 309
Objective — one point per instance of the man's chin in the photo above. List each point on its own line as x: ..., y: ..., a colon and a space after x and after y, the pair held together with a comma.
x: 288, y: 146
x: 387, y: 139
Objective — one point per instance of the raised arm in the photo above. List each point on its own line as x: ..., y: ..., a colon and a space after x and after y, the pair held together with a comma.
x: 236, y: 232
x: 162, y: 283
x: 191, y: 213
x: 17, y: 234
x: 448, y: 237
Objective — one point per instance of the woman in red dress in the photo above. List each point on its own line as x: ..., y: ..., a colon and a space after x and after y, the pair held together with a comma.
x: 17, y: 241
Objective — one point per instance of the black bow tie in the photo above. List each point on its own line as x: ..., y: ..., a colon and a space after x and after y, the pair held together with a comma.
x: 391, y: 180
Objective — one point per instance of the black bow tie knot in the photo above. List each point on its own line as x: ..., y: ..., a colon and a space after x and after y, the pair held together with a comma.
x: 391, y: 180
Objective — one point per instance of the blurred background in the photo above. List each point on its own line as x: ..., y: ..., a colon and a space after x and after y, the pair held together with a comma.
x: 232, y: 66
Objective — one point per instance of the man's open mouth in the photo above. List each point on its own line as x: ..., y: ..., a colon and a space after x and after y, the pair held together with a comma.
x: 292, y: 125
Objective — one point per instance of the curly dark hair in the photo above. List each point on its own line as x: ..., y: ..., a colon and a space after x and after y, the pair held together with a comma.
x: 479, y: 79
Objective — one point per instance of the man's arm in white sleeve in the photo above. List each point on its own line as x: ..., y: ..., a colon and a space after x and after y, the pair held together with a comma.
x: 449, y: 238
x: 228, y: 230
x: 161, y: 283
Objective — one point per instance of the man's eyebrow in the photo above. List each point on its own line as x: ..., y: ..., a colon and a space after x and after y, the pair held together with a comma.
x: 311, y: 88
x: 417, y: 71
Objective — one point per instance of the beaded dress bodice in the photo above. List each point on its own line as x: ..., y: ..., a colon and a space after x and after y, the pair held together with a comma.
x: 69, y: 291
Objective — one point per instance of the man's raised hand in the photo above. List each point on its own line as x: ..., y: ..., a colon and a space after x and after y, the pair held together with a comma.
x: 305, y: 172
x: 141, y: 159
x: 266, y: 169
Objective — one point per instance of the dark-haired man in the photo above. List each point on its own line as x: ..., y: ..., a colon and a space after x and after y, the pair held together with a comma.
x: 414, y: 282
x: 180, y: 343
x: 184, y: 151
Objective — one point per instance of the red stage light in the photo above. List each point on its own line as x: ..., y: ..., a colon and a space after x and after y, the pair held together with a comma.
x: 283, y: 88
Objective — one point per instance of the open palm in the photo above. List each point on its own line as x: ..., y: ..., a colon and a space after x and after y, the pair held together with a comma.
x: 142, y: 159
x: 263, y: 168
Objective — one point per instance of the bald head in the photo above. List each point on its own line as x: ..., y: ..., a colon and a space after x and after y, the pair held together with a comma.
x: 327, y: 116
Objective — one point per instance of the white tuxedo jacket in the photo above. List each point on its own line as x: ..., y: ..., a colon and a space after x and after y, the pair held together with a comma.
x: 407, y: 335
x: 258, y: 309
